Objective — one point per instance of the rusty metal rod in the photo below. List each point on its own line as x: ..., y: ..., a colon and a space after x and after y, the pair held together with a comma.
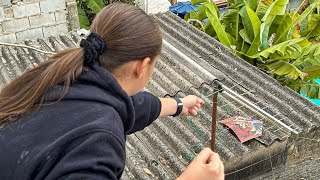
x: 214, y: 120
x: 217, y: 89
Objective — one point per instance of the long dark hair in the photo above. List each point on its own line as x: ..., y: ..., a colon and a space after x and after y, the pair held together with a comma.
x: 129, y: 34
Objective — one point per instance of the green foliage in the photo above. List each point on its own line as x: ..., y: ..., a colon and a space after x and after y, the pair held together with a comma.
x: 83, y: 18
x: 313, y: 26
x: 212, y: 14
x: 278, y: 7
x: 266, y: 34
x: 87, y: 9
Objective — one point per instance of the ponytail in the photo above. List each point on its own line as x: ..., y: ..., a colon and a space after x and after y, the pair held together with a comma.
x: 28, y: 89
x: 120, y: 33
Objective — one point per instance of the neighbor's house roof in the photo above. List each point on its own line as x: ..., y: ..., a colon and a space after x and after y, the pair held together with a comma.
x: 189, y: 64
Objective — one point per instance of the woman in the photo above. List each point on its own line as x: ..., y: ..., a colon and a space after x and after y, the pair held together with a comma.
x: 68, y: 117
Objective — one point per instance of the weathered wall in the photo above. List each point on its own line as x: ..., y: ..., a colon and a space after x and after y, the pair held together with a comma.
x: 31, y: 19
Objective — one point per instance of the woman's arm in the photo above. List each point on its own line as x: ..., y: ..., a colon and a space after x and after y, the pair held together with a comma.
x: 149, y: 107
x: 191, y: 105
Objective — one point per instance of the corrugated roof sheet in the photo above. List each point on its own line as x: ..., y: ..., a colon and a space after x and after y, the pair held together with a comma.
x: 189, y: 64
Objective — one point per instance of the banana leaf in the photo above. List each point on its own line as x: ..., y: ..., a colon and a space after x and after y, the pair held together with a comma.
x: 310, y: 89
x: 232, y: 40
x: 253, y: 51
x: 244, y: 47
x: 201, y: 11
x: 313, y: 26
x: 186, y: 16
x: 95, y: 5
x: 252, y: 4
x: 218, y: 27
x: 306, y: 63
x: 278, y: 20
x: 312, y: 21
x: 194, y: 2
x: 235, y: 3
x: 193, y: 15
x: 250, y: 22
x: 213, y: 7
x: 315, y: 32
x: 312, y: 71
x: 290, y: 22
x: 286, y: 21
x: 278, y: 7
x: 208, y: 28
x: 281, y: 67
x: 83, y: 18
x: 262, y: 7
x: 282, y: 47
x: 291, y: 55
x: 231, y: 22
x: 245, y: 36
x: 311, y: 52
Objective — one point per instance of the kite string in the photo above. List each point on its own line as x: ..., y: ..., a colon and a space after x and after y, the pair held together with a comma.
x: 197, y: 130
x: 194, y: 127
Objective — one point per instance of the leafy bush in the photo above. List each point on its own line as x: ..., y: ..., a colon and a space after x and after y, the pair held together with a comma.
x: 268, y: 35
x: 87, y: 9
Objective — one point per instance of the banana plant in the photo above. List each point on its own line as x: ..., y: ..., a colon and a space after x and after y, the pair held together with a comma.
x: 269, y: 35
x: 87, y: 9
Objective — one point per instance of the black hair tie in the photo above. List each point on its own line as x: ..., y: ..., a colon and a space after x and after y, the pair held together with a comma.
x: 93, y: 46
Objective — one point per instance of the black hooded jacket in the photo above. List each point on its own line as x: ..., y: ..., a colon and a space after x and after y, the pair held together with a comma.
x: 80, y: 137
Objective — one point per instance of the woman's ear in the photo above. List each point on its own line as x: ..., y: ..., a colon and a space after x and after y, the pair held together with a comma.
x: 141, y: 66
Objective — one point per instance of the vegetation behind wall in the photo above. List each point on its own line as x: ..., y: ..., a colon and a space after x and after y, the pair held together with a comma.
x: 87, y: 9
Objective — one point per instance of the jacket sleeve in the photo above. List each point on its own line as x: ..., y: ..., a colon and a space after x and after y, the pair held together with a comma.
x: 98, y: 155
x: 147, y: 108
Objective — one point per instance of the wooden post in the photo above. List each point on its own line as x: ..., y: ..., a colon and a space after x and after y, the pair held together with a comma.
x: 217, y: 89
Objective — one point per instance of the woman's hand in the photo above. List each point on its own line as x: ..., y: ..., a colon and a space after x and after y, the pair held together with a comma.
x: 191, y: 105
x: 207, y: 165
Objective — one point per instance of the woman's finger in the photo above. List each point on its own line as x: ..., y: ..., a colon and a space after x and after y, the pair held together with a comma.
x: 195, y: 108
x: 214, y: 158
x: 201, y: 101
x: 205, y: 155
x: 193, y: 112
x: 215, y: 163
x: 198, y: 105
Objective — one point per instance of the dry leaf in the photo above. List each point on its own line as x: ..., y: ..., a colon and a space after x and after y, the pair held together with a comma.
x: 163, y: 161
x: 296, y: 31
x: 147, y: 171
x: 271, y: 39
x: 34, y: 65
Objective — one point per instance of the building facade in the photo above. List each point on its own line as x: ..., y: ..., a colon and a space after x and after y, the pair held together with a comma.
x: 31, y: 19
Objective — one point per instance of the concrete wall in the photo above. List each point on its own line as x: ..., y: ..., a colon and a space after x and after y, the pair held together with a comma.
x: 30, y: 19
